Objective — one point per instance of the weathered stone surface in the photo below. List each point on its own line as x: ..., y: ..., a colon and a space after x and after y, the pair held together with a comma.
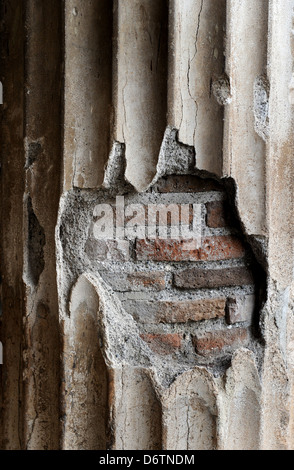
x: 40, y: 163
x: 85, y: 374
x: 243, y: 406
x: 244, y: 150
x: 196, y: 58
x: 87, y: 92
x: 141, y: 29
x: 191, y: 403
x: 136, y: 411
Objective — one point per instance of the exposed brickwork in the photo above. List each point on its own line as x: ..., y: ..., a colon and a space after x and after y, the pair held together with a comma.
x: 173, y: 300
x: 163, y: 344
x: 212, y: 278
x: 186, y: 184
x: 215, y: 341
x: 177, y: 311
x: 212, y: 249
x: 151, y: 296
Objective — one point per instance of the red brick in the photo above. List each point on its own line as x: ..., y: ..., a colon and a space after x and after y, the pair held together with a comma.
x: 218, y: 215
x: 213, y: 278
x: 176, y: 311
x: 212, y: 249
x: 163, y: 344
x: 215, y: 342
x: 221, y: 248
x: 186, y: 184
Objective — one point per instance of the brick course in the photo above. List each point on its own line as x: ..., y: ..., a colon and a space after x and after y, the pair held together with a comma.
x: 177, y: 311
x: 161, y: 308
x: 137, y: 281
x: 186, y: 184
x: 213, y: 278
x: 212, y: 249
x: 215, y: 341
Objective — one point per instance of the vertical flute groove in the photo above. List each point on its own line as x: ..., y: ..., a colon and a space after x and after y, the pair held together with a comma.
x: 245, y: 115
x: 141, y: 89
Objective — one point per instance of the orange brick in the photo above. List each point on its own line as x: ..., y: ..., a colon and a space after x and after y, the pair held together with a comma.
x: 214, y: 342
x: 212, y: 249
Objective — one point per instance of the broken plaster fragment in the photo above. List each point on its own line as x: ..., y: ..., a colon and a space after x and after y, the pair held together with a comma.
x: 174, y: 158
x: 222, y: 91
x: 114, y: 177
x: 261, y: 106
